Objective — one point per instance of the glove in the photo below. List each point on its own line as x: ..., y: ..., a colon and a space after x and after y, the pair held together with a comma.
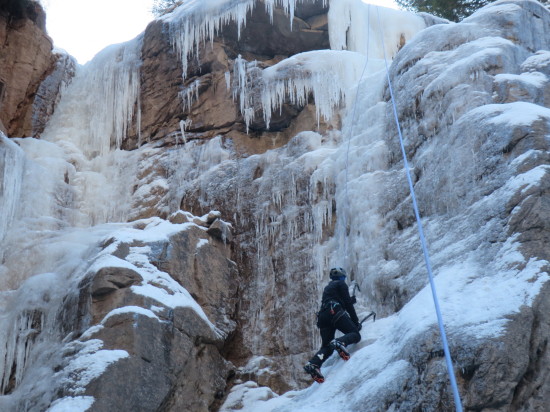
x: 359, y: 326
x: 353, y: 300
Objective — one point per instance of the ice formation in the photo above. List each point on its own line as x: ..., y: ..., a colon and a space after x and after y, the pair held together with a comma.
x: 12, y: 167
x: 360, y: 27
x: 197, y: 21
x: 99, y: 105
x: 77, y: 177
x: 329, y: 76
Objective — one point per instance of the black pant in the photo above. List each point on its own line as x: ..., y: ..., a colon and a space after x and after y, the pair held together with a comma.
x: 328, y: 324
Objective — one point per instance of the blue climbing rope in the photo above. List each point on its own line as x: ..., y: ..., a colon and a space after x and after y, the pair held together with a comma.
x: 458, y: 403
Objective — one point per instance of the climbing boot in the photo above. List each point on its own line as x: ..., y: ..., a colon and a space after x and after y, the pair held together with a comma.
x: 340, y: 348
x: 315, y: 372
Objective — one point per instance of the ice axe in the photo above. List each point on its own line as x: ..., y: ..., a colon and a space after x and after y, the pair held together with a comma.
x: 354, y: 285
x: 373, y: 314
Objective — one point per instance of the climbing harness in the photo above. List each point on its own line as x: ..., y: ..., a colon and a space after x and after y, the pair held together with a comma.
x: 450, y: 370
x: 330, y: 304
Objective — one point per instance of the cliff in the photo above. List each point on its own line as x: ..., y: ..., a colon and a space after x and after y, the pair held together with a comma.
x: 26, y: 57
x: 167, y: 239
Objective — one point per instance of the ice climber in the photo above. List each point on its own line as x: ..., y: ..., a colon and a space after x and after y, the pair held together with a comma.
x: 337, y: 313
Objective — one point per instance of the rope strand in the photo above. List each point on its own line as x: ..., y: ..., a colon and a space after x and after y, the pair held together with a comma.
x: 458, y: 403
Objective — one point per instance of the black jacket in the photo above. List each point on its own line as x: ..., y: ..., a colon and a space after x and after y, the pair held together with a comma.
x: 337, y: 290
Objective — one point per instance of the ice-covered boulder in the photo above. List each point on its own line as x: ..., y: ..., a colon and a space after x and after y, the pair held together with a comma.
x: 153, y: 313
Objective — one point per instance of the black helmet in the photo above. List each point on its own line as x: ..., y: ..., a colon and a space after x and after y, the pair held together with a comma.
x: 337, y: 273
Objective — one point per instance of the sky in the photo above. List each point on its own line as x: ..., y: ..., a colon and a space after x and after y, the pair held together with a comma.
x: 85, y: 27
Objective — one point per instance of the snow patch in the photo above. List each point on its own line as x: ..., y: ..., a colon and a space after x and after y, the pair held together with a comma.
x: 89, y: 363
x: 201, y: 243
x: 72, y: 404
x: 130, y: 309
x: 511, y: 114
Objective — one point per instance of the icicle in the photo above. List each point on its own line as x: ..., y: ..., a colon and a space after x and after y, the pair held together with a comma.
x: 328, y: 75
x: 190, y: 95
x: 184, y: 124
x: 97, y: 108
x: 196, y: 21
x: 15, y: 350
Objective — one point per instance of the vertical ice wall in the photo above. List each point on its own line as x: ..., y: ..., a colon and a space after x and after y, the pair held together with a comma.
x: 98, y: 107
x: 91, y: 121
x: 11, y: 169
x: 74, y: 176
x: 356, y: 26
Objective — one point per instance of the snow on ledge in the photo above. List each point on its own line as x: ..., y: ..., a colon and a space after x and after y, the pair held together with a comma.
x: 89, y: 363
x: 72, y: 404
x: 130, y: 309
x: 510, y: 114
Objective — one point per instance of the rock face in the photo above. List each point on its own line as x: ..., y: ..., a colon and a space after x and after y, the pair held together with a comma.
x: 139, y: 310
x: 26, y: 58
x: 485, y: 153
x: 171, y: 356
x: 209, y: 107
x: 454, y: 84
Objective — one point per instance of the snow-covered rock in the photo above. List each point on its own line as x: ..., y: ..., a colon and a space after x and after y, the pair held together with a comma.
x: 255, y: 221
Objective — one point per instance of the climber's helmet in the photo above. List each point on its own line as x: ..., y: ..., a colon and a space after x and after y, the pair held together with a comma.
x: 337, y: 274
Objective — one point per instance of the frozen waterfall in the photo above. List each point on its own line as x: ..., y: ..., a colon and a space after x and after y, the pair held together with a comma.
x: 332, y: 198
x: 64, y: 192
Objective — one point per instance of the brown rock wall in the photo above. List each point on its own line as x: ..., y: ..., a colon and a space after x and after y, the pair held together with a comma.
x: 25, y: 60
x: 215, y: 112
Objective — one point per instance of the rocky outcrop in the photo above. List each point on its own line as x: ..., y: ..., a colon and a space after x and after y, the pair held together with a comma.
x: 26, y: 59
x: 202, y: 103
x: 486, y: 152
x: 49, y: 92
x: 166, y: 355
